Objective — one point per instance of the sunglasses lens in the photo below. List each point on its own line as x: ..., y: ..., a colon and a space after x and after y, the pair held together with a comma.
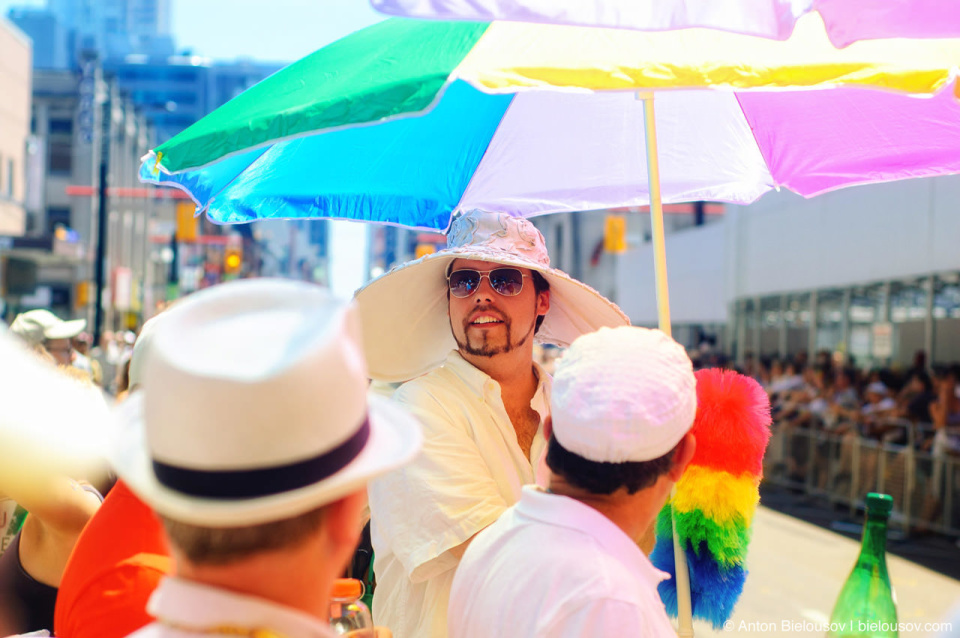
x: 507, y: 281
x: 464, y: 282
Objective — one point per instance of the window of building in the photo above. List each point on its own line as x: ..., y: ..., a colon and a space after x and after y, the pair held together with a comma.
x: 946, y: 318
x: 59, y: 125
x: 866, y: 304
x: 770, y: 319
x: 946, y: 299
x: 751, y: 335
x: 908, y: 313
x: 908, y: 301
x: 796, y: 314
x: 867, y: 308
x: 10, y: 177
x: 829, y: 320
x: 390, y: 244
x: 318, y: 236
x: 60, y: 155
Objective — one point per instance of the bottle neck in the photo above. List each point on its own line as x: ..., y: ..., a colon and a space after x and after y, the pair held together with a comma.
x: 874, y: 543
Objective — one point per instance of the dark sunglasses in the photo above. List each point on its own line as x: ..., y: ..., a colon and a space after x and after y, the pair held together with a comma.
x: 504, y: 281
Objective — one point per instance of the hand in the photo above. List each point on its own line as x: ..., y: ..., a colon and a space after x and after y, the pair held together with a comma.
x: 383, y: 632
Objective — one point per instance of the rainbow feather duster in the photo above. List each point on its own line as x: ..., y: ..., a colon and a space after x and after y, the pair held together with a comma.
x: 716, y: 498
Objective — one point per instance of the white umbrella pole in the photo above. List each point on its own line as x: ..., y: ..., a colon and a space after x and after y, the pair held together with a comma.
x: 684, y: 609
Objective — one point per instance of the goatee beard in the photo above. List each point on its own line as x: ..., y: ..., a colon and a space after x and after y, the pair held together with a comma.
x: 486, y: 349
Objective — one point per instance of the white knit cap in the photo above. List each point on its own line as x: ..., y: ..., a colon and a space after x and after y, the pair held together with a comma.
x: 623, y: 394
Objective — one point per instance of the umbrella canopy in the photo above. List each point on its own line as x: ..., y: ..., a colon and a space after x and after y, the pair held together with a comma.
x: 846, y: 21
x: 532, y: 119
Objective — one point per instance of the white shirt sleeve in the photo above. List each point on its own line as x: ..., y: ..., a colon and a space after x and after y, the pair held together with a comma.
x: 441, y: 499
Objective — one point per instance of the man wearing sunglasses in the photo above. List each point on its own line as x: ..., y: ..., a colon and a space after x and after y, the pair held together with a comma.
x: 458, y: 327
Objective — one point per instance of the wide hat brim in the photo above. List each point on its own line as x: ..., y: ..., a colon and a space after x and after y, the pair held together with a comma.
x: 65, y: 329
x: 406, y: 328
x: 394, y: 439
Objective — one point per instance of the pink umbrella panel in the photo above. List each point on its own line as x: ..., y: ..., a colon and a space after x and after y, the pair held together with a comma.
x: 845, y: 21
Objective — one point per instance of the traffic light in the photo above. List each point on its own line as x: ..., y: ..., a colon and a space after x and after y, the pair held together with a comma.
x: 233, y: 259
x: 615, y: 234
x: 425, y: 249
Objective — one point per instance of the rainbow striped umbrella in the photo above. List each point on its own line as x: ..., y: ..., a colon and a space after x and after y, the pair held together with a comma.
x: 710, y: 510
x: 533, y: 119
x: 709, y: 516
x: 409, y: 122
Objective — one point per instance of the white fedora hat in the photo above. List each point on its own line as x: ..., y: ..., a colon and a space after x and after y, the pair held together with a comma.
x: 406, y: 328
x: 255, y: 408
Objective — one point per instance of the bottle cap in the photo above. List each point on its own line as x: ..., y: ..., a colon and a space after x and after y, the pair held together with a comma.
x: 347, y: 588
x: 879, y: 504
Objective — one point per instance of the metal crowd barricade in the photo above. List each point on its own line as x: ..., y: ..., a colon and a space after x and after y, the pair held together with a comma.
x: 837, y: 463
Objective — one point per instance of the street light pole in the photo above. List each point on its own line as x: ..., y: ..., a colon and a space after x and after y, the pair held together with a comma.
x: 101, y: 250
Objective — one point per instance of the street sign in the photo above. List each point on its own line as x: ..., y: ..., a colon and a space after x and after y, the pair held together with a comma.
x: 86, y: 110
x: 186, y: 221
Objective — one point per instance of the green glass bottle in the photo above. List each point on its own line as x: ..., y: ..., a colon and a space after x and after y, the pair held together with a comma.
x: 867, y: 605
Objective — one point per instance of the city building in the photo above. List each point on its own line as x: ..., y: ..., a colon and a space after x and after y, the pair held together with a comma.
x: 388, y: 246
x: 81, y: 119
x: 116, y: 28
x: 176, y: 91
x: 15, y: 51
x: 109, y: 85
x: 870, y: 272
x: 52, y: 48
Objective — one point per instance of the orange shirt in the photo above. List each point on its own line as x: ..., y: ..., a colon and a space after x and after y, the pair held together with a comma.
x: 115, y: 566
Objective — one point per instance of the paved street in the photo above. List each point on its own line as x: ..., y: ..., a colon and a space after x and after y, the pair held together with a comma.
x: 797, y: 569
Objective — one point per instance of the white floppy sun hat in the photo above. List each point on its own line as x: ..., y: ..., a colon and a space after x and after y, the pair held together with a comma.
x: 36, y: 326
x: 254, y: 408
x: 406, y: 328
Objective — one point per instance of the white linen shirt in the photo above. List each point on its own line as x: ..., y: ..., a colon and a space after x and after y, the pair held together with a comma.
x: 553, y: 566
x: 185, y: 608
x: 469, y: 471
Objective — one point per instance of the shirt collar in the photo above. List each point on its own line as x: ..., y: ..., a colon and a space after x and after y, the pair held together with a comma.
x: 480, y: 382
x: 563, y: 511
x: 193, y: 606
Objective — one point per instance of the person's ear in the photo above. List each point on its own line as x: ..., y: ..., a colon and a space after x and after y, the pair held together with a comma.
x: 683, y: 456
x: 343, y: 517
x: 543, y: 302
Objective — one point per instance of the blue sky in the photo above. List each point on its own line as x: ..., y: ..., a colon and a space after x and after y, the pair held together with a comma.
x: 275, y: 30
x: 282, y: 30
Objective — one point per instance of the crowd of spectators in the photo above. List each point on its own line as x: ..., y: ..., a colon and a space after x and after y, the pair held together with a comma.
x: 876, y: 404
x: 849, y: 411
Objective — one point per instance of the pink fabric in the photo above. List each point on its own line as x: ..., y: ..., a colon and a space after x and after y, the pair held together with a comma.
x: 846, y: 20
x: 766, y: 18
x: 818, y: 141
x: 850, y: 20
